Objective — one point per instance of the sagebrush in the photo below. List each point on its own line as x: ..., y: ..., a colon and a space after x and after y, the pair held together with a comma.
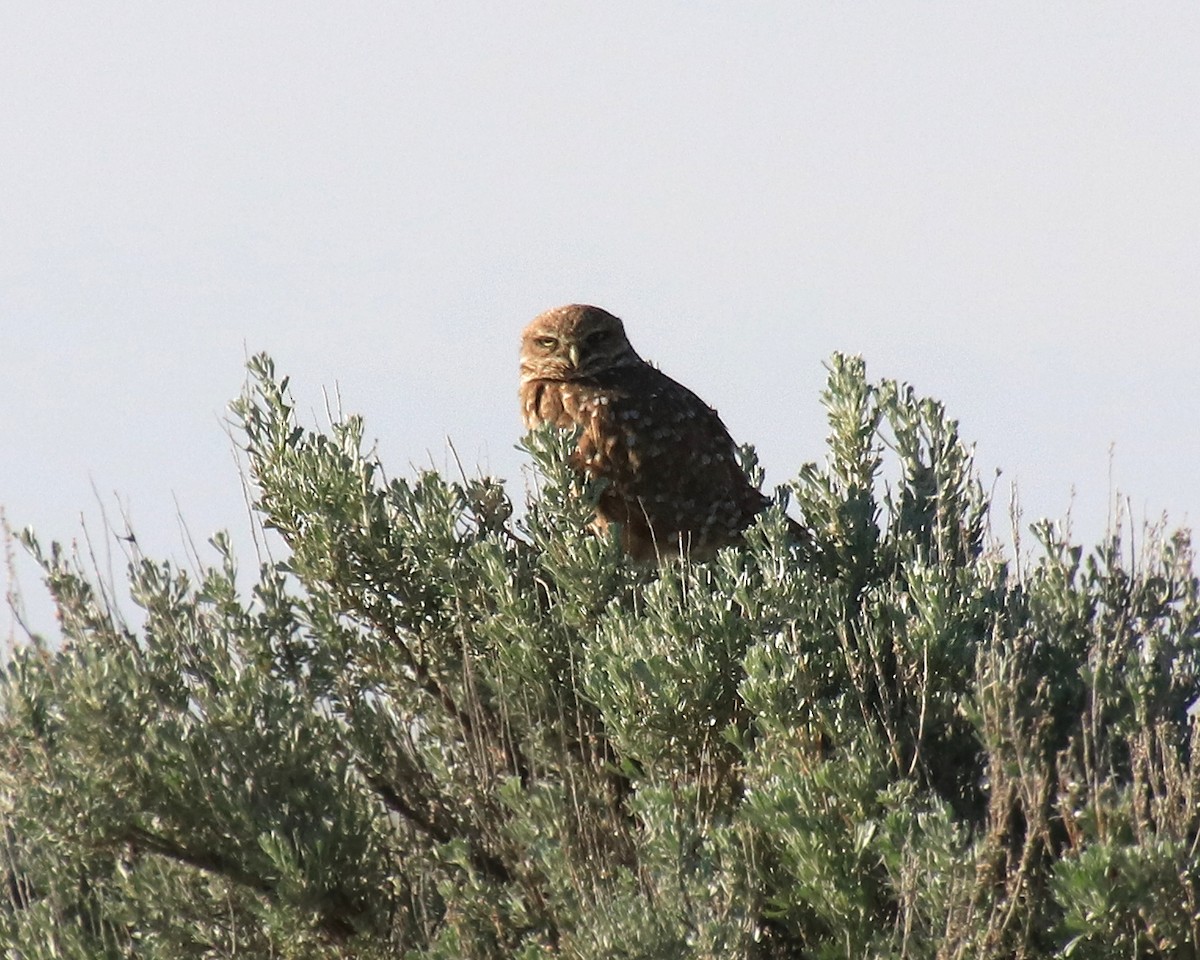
x: 444, y: 728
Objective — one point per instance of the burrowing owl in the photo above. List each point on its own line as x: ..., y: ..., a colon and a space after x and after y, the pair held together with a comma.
x: 674, y: 482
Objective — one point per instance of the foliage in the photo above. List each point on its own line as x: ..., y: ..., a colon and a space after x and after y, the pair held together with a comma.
x: 438, y: 731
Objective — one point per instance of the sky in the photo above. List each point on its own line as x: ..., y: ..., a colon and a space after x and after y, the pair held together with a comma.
x: 998, y: 203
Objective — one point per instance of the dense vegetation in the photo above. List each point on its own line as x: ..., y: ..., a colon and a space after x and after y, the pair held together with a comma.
x: 440, y: 729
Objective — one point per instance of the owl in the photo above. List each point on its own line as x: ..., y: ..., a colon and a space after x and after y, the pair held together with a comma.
x: 674, y: 482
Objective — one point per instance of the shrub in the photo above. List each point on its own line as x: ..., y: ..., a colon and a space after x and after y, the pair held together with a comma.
x: 443, y: 729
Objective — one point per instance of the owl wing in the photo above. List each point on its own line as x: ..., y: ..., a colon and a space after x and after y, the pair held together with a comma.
x: 671, y: 464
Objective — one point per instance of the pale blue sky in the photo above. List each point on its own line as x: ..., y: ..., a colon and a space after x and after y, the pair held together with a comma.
x: 998, y: 202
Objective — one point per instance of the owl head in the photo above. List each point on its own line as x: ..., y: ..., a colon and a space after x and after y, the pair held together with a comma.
x: 572, y: 343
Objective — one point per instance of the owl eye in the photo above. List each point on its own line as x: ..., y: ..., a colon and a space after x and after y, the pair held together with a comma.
x: 547, y: 343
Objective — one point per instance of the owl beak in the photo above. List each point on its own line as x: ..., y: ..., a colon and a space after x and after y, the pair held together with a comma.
x: 573, y: 353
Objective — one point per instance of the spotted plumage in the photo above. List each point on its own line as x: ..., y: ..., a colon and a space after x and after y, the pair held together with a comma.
x: 674, y: 482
